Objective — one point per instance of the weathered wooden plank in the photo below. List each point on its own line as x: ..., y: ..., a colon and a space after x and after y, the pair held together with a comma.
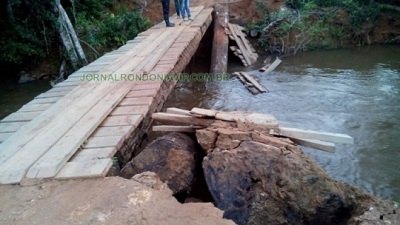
x: 52, y: 94
x: 273, y: 66
x: 94, y: 153
x: 254, y: 82
x: 40, y: 144
x: 149, y: 86
x: 4, y: 136
x: 102, y: 142
x: 181, y: 119
x: 142, y: 93
x: 35, y: 107
x: 137, y: 101
x: 53, y: 160
x: 85, y: 169
x: 203, y: 112
x: 8, y: 127
x: 112, y: 121
x: 44, y: 100
x: 173, y: 110
x: 239, y: 43
x: 130, y: 110
x: 219, y: 55
x: 317, y: 144
x: 21, y: 116
x: 166, y: 128
x: 112, y: 131
x: 315, y: 135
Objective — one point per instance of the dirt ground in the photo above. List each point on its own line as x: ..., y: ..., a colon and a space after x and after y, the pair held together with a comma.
x: 112, y: 200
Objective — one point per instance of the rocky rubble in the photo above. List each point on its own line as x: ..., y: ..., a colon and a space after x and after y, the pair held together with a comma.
x: 172, y: 157
x: 257, y: 178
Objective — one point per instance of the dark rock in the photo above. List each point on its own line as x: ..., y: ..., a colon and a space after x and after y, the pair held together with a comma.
x: 172, y: 157
x: 257, y: 183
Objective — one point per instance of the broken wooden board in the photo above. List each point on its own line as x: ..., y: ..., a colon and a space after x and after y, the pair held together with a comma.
x: 271, y: 67
x: 244, y: 50
x: 317, y: 144
x: 178, y: 111
x: 249, y: 78
x: 181, y: 119
x: 250, y: 83
x: 315, y: 135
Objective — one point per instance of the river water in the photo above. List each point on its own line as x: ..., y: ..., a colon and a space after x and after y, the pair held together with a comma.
x: 355, y: 91
x: 13, y: 96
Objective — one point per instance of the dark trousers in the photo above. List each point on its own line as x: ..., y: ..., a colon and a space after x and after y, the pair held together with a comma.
x: 165, y: 7
x: 178, y: 7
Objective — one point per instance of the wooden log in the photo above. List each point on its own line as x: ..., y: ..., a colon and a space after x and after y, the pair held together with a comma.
x: 315, y: 135
x: 273, y: 66
x: 250, y: 87
x: 219, y: 55
x: 179, y: 111
x: 317, y: 144
x: 203, y: 112
x: 182, y: 119
x: 167, y: 128
x: 254, y: 82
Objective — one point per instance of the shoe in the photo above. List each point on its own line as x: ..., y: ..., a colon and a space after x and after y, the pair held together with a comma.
x: 185, y: 19
x: 170, y: 24
x: 190, y: 18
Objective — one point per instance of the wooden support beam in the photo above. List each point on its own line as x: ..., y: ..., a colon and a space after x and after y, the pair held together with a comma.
x: 167, y: 128
x: 219, y: 55
x: 182, y: 119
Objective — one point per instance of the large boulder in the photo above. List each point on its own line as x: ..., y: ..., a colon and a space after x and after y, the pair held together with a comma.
x: 257, y: 178
x: 172, y: 157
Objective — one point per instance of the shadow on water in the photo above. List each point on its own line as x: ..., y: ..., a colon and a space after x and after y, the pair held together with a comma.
x: 13, y: 96
x: 348, y: 91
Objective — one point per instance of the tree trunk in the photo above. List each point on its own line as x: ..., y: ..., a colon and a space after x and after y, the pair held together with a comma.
x: 219, y: 56
x: 69, y: 38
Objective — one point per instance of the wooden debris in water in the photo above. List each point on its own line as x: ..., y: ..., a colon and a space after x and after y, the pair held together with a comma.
x: 250, y: 83
x: 244, y: 49
x: 270, y: 67
x: 199, y: 118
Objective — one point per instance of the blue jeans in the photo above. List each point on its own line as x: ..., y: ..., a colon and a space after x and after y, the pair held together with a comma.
x: 178, y: 7
x: 185, y: 8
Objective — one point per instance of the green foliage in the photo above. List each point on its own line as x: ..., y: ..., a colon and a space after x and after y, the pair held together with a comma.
x: 111, y: 30
x: 318, y: 24
x: 29, y: 28
x: 24, y: 32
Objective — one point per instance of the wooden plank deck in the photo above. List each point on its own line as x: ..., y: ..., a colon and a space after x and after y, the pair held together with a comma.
x: 75, y: 129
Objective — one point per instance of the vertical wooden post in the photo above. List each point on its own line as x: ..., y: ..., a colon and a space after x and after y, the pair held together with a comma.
x: 219, y: 56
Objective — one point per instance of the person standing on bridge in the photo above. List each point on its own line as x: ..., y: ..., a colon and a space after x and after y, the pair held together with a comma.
x: 178, y: 8
x: 165, y: 6
x: 185, y: 9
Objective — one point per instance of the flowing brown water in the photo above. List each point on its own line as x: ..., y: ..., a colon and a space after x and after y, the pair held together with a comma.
x: 353, y: 91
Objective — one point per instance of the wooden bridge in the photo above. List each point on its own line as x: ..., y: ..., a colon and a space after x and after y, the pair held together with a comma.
x: 75, y: 129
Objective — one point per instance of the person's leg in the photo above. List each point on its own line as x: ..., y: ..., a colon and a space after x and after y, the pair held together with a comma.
x: 165, y: 6
x: 188, y: 8
x: 183, y: 2
x: 178, y: 7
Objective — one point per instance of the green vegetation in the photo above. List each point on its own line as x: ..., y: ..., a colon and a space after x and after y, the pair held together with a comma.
x: 29, y: 32
x: 310, y: 24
